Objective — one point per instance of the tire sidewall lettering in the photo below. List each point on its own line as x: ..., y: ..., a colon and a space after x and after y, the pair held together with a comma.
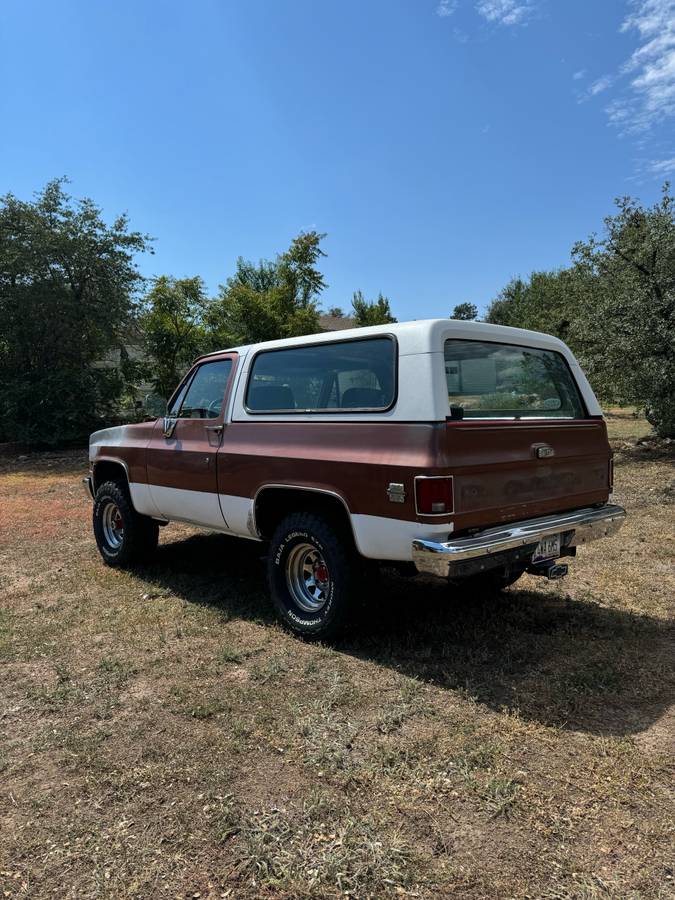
x: 290, y: 538
x: 281, y: 552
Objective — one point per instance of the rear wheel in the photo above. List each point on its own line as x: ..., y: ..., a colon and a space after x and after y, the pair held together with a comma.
x: 123, y: 536
x: 313, y: 576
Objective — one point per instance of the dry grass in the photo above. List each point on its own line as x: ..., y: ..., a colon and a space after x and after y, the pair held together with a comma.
x: 626, y: 423
x: 161, y: 737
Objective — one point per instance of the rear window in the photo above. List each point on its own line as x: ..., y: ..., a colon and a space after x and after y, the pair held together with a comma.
x: 501, y: 381
x: 337, y: 377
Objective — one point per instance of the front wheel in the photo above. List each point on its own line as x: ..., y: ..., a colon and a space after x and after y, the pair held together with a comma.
x: 123, y: 536
x: 313, y: 576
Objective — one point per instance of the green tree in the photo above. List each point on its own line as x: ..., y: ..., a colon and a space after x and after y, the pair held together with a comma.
x: 625, y: 333
x: 547, y: 301
x: 173, y: 329
x: 510, y: 306
x: 336, y: 312
x: 68, y: 294
x: 376, y: 312
x: 615, y: 306
x: 467, y: 312
x: 271, y: 299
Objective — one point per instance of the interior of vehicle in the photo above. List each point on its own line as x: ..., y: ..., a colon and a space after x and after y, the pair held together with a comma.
x: 354, y: 375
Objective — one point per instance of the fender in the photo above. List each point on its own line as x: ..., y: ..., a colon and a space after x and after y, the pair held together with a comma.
x: 305, y: 488
x: 112, y: 459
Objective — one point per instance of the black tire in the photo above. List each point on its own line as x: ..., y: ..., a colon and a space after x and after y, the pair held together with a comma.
x: 123, y: 536
x: 305, y: 540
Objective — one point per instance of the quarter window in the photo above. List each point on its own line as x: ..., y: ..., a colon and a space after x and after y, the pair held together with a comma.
x: 341, y: 376
x: 206, y: 392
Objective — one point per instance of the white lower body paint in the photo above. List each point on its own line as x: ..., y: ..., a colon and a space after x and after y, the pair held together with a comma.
x: 141, y: 499
x: 376, y: 537
x: 238, y: 512
x: 196, y: 507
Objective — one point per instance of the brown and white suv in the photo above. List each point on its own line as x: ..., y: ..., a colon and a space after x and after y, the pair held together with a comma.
x: 466, y: 450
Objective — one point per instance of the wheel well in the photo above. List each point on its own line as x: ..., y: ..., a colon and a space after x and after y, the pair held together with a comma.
x: 107, y: 470
x: 273, y: 504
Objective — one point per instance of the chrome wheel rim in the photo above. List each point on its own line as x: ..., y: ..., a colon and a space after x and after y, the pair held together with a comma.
x: 307, y: 577
x: 113, y: 526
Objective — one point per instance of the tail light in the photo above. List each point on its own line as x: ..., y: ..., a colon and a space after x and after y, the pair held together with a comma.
x: 433, y: 495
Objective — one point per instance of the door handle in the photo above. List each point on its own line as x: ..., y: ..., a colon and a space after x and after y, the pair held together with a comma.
x: 216, y: 429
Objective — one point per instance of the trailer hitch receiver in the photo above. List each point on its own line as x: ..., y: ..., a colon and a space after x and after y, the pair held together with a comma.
x: 551, y: 570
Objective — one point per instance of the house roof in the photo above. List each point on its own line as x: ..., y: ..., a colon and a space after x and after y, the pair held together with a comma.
x: 336, y: 323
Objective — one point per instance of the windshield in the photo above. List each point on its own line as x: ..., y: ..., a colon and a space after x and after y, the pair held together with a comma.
x: 502, y: 381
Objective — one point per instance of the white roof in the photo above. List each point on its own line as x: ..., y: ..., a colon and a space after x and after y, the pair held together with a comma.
x: 423, y: 394
x: 419, y: 336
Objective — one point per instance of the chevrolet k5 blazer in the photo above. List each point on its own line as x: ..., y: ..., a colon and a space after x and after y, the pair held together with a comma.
x: 459, y: 449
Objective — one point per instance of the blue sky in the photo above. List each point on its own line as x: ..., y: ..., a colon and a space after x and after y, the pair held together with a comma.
x: 443, y: 146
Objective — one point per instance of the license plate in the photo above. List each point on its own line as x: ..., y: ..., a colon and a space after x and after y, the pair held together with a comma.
x: 547, y: 548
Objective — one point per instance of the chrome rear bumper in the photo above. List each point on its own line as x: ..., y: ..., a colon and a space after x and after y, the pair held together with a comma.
x: 577, y: 527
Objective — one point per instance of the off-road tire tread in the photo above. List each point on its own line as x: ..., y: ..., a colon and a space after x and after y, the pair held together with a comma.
x: 141, y: 533
x: 345, y: 564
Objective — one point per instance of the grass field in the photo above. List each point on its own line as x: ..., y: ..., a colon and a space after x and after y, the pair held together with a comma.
x: 160, y: 736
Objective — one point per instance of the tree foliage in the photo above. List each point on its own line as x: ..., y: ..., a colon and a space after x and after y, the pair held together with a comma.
x: 376, y: 312
x: 615, y: 306
x: 547, y: 301
x: 467, y: 312
x: 625, y: 333
x: 173, y: 326
x: 68, y: 286
x: 271, y: 299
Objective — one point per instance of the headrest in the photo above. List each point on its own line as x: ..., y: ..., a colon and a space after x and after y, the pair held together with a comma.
x: 271, y: 396
x: 363, y: 398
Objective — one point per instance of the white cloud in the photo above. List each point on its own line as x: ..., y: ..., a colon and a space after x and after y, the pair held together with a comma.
x: 504, y: 12
x: 651, y: 68
x: 579, y: 75
x: 600, y: 85
x: 661, y: 167
x: 446, y: 8
x: 597, y: 87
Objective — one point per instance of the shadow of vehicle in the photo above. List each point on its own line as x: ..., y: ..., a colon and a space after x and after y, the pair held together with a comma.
x: 572, y: 664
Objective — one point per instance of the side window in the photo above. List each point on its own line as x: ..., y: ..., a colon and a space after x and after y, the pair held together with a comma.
x: 346, y: 375
x: 204, y: 396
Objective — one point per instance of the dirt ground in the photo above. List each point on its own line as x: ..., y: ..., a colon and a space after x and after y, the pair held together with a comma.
x: 161, y: 737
